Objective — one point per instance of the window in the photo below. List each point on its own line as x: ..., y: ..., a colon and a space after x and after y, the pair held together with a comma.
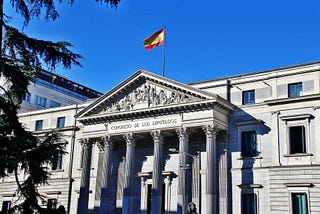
x: 298, y: 134
x: 299, y: 203
x: 57, y: 162
x: 297, y: 140
x: 295, y: 89
x: 10, y: 168
x: 248, y: 144
x: 40, y: 101
x: 61, y: 122
x: 39, y: 125
x: 249, y: 203
x: 27, y: 97
x: 54, y: 104
x: 248, y: 97
x: 52, y: 204
x: 6, y: 205
x: 149, y: 198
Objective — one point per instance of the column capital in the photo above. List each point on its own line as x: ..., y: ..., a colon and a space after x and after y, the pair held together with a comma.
x: 210, y: 129
x: 106, y: 138
x: 129, y: 138
x: 157, y: 136
x: 86, y: 142
x: 105, y: 142
x: 168, y: 178
x: 316, y: 107
x: 183, y: 132
x: 275, y: 112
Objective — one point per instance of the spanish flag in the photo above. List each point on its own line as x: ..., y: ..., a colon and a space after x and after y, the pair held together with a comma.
x: 154, y: 40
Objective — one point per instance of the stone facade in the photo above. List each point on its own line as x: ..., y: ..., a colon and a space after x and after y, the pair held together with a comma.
x: 239, y: 144
x: 50, y: 90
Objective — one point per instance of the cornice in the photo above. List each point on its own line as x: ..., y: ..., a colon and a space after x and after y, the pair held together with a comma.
x: 293, y: 100
x: 63, y: 129
x: 310, y: 66
x: 147, y: 112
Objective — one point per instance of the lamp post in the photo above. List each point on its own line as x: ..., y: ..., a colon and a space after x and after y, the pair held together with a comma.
x: 184, y: 166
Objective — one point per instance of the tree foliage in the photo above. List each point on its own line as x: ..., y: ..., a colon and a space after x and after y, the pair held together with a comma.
x: 21, y: 59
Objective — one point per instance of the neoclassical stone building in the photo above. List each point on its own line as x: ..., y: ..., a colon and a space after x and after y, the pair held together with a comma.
x: 239, y: 144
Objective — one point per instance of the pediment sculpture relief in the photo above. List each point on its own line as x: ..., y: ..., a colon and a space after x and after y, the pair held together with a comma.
x: 148, y: 96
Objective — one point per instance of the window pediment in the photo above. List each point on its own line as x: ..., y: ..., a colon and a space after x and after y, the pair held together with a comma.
x: 297, y: 117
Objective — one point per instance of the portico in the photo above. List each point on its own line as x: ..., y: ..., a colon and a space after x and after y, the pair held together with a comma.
x: 137, y: 123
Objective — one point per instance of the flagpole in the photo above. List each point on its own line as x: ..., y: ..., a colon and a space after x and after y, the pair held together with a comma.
x: 164, y: 52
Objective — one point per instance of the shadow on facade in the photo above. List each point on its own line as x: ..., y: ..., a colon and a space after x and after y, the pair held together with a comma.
x: 244, y: 128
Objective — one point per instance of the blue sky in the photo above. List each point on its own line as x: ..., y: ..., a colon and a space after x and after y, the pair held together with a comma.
x: 205, y: 39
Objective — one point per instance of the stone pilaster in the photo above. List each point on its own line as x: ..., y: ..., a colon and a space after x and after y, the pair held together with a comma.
x: 182, y: 171
x: 211, y: 170
x: 144, y: 195
x: 128, y: 173
x: 275, y: 138
x: 157, y: 172
x: 85, y: 177
x: 317, y: 125
x: 223, y: 173
x: 196, y: 184
x: 167, y: 205
x: 106, y: 176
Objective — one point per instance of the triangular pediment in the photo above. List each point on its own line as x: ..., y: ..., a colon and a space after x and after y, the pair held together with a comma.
x: 144, y: 91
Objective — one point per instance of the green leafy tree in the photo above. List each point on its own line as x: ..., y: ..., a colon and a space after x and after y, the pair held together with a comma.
x: 21, y: 59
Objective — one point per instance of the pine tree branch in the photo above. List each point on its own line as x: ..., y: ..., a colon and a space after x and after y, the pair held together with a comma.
x: 29, y: 9
x: 34, y: 52
x: 112, y: 3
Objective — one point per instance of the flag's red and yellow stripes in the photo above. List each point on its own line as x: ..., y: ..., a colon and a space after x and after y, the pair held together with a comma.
x: 154, y: 40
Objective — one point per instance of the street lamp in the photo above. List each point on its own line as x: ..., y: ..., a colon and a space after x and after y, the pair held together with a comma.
x: 184, y: 167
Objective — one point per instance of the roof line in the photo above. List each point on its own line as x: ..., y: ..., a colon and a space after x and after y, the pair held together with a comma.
x: 254, y: 73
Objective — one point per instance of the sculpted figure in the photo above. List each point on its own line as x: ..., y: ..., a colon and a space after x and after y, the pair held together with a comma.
x: 192, y: 209
x: 153, y: 96
x: 139, y: 95
x: 174, y: 98
x: 127, y: 102
x: 162, y: 97
x: 136, y: 96
x: 146, y: 90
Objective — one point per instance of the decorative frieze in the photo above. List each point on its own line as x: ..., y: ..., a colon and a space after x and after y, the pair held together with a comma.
x: 147, y: 95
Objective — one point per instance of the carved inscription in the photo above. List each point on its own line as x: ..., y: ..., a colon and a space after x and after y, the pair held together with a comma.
x: 143, y: 125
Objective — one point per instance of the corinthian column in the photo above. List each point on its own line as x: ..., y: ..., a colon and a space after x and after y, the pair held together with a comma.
x: 106, y: 176
x: 182, y: 171
x: 157, y: 172
x: 85, y: 177
x: 128, y: 172
x: 211, y: 171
